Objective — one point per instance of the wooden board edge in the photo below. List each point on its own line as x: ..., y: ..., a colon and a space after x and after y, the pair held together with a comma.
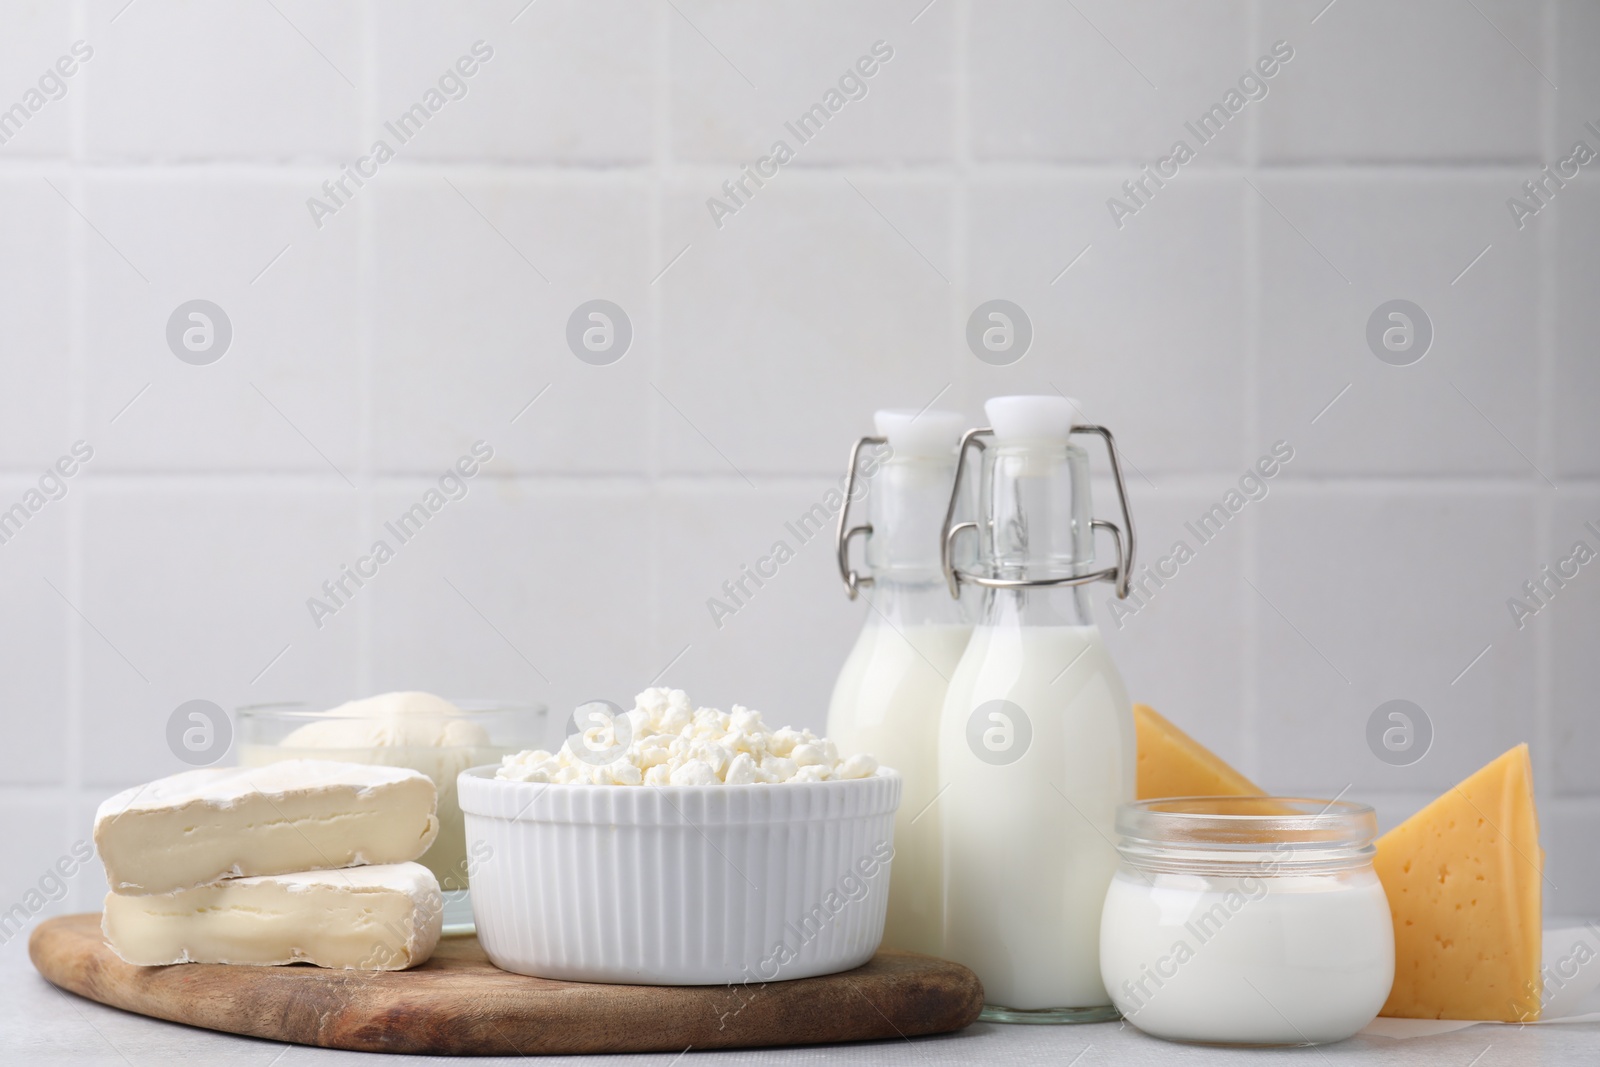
x: 68, y: 956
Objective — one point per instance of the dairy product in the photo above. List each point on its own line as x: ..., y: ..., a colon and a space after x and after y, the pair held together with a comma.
x: 887, y: 701
x: 384, y: 917
x: 407, y: 729
x: 1033, y: 787
x: 1247, y: 959
x: 891, y: 688
x: 1463, y: 877
x: 665, y: 740
x: 1173, y: 764
x: 198, y: 826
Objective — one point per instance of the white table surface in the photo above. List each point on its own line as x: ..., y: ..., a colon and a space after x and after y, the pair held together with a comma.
x: 41, y: 1025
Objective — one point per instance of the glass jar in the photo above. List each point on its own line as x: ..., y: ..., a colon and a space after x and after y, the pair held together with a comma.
x: 1247, y: 920
x: 480, y: 732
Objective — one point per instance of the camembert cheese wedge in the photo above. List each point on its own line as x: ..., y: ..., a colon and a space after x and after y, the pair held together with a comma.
x: 1173, y: 764
x: 199, y: 826
x: 1463, y: 880
x: 385, y: 917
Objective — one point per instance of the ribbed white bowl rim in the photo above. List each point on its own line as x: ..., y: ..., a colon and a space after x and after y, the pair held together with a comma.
x: 481, y: 793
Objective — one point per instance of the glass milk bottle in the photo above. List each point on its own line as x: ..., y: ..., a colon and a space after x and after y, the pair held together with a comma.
x: 1036, y: 738
x: 889, y: 693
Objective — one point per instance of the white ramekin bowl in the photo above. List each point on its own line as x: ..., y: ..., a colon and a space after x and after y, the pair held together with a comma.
x: 679, y: 885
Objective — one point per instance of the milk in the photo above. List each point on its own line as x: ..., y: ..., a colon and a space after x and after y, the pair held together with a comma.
x: 889, y: 693
x: 1028, y: 844
x: 1248, y: 960
x: 887, y: 702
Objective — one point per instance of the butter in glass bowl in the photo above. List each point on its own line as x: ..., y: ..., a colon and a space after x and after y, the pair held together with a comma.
x: 418, y: 730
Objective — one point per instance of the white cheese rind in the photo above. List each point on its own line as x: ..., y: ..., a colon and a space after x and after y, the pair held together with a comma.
x: 385, y: 917
x: 194, y: 828
x: 222, y: 786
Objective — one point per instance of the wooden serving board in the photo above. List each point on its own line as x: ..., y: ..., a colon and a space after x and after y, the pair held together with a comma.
x: 458, y: 1003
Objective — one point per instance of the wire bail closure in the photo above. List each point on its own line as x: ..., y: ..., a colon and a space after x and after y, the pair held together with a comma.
x: 1120, y: 575
x: 853, y: 582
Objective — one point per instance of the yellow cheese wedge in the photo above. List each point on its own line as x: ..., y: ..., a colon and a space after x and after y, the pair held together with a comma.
x: 1462, y: 876
x: 1173, y: 764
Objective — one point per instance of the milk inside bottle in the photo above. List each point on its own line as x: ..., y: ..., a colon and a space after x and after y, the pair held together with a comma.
x: 1036, y: 738
x: 891, y: 689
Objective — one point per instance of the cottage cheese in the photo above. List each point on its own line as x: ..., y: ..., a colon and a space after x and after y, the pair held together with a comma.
x: 665, y: 740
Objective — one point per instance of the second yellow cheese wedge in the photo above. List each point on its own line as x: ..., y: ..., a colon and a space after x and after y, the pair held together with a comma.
x: 1173, y: 764
x: 1463, y: 880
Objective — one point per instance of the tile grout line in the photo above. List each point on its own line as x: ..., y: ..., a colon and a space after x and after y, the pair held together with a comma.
x: 1173, y: 481
x: 78, y: 355
x: 660, y: 165
x: 959, y: 234
x: 1253, y: 47
x: 1547, y: 313
x: 1249, y: 548
x: 1250, y: 650
x: 427, y: 168
x: 366, y: 295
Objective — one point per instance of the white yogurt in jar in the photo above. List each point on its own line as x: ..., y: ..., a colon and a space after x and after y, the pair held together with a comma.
x: 1248, y: 953
x: 1247, y: 960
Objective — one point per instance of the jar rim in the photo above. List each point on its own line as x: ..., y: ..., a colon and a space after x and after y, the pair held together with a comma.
x: 1245, y: 824
x: 306, y: 711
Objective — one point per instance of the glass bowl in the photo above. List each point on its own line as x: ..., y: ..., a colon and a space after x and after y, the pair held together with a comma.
x: 487, y: 731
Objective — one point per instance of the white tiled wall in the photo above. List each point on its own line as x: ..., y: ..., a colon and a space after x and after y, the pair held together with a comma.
x: 430, y: 312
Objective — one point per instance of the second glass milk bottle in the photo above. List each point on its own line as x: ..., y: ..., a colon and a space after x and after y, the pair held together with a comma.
x: 1036, y: 738
x: 890, y: 690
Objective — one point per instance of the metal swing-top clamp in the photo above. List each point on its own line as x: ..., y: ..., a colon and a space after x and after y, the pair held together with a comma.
x: 853, y: 582
x: 1120, y: 575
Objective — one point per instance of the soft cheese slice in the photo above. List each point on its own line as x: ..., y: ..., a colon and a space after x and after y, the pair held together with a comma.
x: 1173, y: 764
x: 297, y: 815
x: 384, y: 917
x: 1463, y: 880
